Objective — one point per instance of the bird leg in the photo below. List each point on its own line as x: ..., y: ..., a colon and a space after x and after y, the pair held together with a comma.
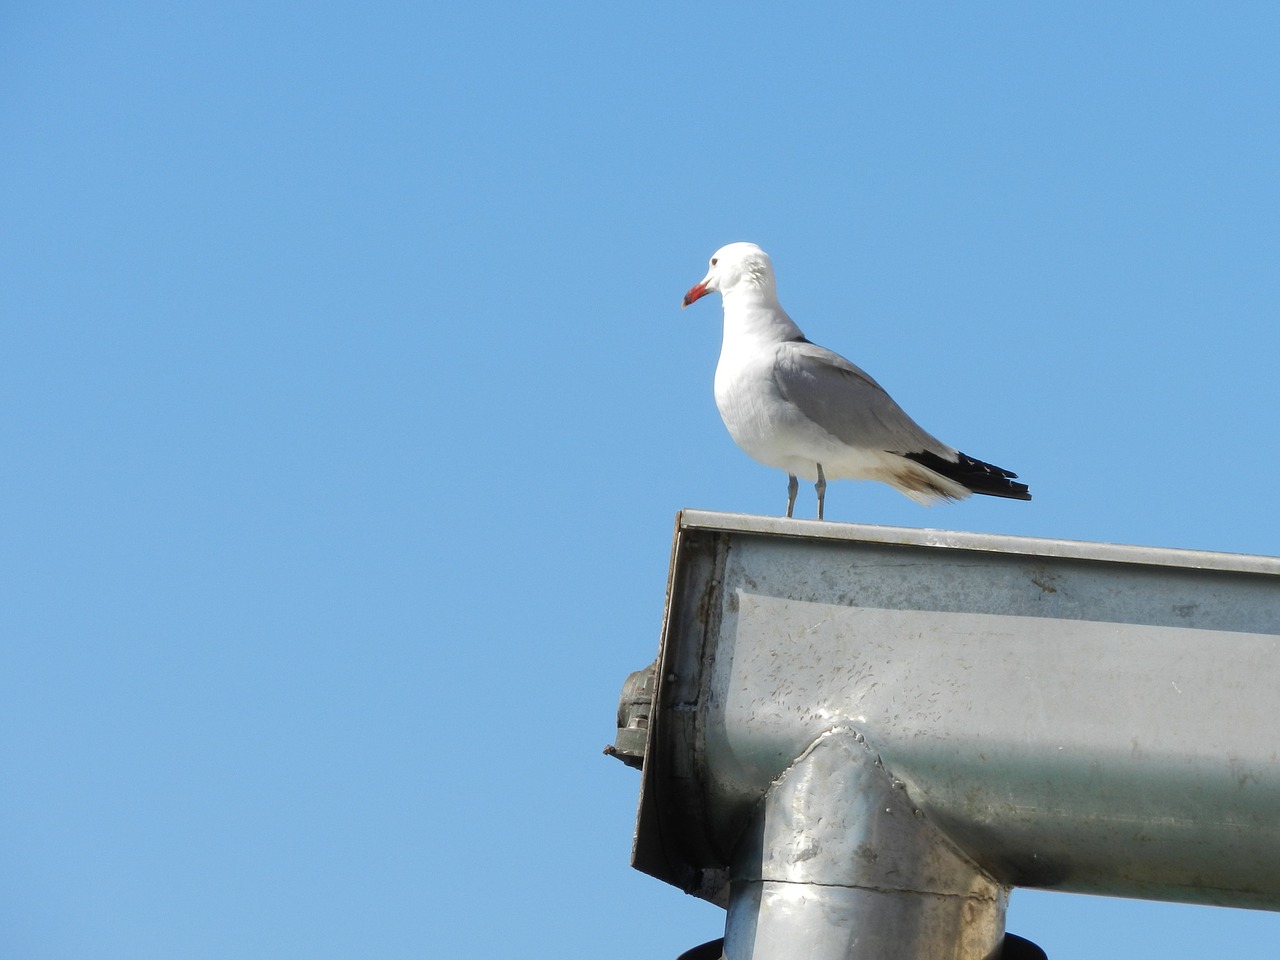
x: 793, y: 486
x: 821, y: 487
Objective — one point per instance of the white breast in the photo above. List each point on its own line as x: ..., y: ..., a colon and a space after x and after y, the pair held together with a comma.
x: 770, y: 430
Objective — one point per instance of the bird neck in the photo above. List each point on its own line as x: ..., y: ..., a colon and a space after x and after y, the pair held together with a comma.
x: 754, y: 311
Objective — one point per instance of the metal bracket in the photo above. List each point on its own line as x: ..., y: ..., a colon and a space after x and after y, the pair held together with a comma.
x: 634, y: 707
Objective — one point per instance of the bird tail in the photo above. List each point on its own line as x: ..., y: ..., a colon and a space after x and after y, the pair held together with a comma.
x: 976, y: 476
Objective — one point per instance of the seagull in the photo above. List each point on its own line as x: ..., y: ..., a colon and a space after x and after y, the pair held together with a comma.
x: 798, y: 407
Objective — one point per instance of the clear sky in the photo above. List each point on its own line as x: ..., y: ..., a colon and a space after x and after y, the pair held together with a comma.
x: 347, y: 403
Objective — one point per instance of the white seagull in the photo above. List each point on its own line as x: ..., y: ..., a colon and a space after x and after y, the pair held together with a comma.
x: 796, y: 406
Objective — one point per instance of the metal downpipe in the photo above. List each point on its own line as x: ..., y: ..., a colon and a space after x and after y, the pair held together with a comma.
x: 839, y: 864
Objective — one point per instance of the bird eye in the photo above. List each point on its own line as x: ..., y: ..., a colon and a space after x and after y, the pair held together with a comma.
x: 714, y: 260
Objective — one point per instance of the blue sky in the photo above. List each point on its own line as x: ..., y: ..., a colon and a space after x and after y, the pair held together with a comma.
x: 347, y: 404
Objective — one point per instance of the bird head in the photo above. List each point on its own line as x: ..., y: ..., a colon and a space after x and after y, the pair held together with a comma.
x: 733, y: 266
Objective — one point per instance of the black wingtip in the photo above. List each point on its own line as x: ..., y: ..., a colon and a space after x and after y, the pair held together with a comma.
x: 977, y: 476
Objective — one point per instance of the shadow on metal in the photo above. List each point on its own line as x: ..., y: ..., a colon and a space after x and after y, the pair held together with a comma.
x: 1016, y: 948
x: 1011, y: 948
x: 711, y: 950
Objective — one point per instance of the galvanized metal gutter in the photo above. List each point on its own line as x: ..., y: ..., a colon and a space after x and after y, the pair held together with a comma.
x: 1074, y: 716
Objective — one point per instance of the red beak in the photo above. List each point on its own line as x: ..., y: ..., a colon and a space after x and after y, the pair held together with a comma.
x: 697, y: 292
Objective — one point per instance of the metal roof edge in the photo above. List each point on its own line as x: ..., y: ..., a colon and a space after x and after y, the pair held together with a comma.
x: 691, y: 519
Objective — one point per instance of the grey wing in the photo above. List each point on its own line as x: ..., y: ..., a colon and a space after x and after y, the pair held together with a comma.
x: 848, y: 403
